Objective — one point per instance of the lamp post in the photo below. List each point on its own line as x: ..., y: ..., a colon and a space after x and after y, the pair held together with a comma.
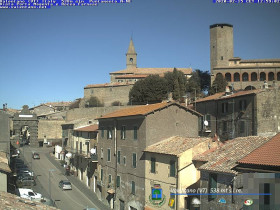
x: 50, y: 170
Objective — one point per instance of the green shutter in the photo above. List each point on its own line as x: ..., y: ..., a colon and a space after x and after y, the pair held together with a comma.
x: 134, y: 160
x: 101, y: 174
x: 135, y: 132
x: 118, y: 181
x: 109, y: 155
x: 119, y: 157
x: 133, y: 187
x: 153, y: 165
x: 212, y: 186
x: 172, y: 168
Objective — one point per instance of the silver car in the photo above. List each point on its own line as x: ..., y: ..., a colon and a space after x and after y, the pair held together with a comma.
x: 65, y: 185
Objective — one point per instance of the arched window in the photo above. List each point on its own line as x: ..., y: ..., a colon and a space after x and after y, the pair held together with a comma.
x: 254, y: 76
x: 245, y: 77
x: 262, y: 76
x: 270, y: 76
x: 219, y: 74
x: 236, y: 77
x: 228, y: 77
x: 278, y: 76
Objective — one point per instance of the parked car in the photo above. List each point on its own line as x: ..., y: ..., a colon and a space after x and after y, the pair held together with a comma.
x: 35, y: 156
x: 24, y: 171
x: 65, y: 185
x: 28, y: 193
x: 26, y: 181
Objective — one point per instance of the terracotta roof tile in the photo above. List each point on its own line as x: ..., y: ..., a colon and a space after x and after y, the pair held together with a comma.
x: 150, y: 71
x: 142, y: 110
x: 89, y: 128
x: 224, y: 158
x: 222, y: 96
x: 175, y: 145
x: 268, y: 154
x: 112, y: 84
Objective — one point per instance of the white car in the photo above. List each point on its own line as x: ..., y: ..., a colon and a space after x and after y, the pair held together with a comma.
x: 28, y: 194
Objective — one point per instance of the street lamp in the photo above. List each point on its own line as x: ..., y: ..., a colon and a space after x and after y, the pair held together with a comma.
x: 50, y: 170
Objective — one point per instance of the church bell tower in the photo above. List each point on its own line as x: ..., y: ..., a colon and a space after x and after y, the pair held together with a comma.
x: 131, y: 56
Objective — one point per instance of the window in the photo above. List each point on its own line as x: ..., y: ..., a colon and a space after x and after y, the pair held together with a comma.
x: 224, y: 126
x: 133, y: 187
x: 172, y: 168
x: 222, y: 58
x: 262, y: 76
x: 266, y: 191
x: 242, y: 127
x: 134, y: 160
x: 110, y: 178
x: 254, y: 76
x: 242, y: 105
x: 245, y: 77
x: 119, y: 157
x: 153, y: 165
x: 118, y: 181
x: 278, y: 76
x: 228, y: 77
x: 270, y: 76
x: 108, y: 155
x: 102, y: 132
x: 124, y: 160
x: 224, y: 107
x: 101, y: 174
x: 236, y: 77
x: 212, y: 186
x: 123, y: 132
x: 135, y: 132
x: 109, y: 133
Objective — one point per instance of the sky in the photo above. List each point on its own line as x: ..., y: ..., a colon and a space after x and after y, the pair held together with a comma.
x: 50, y: 55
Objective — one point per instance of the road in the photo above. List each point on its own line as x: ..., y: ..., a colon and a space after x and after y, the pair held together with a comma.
x: 49, y: 175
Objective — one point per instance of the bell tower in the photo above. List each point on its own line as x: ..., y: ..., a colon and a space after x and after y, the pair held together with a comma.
x: 131, y: 56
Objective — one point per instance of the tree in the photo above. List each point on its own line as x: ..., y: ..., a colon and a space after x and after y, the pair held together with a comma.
x: 176, y: 83
x: 152, y: 89
x: 205, y: 79
x: 219, y: 84
x: 75, y: 104
x: 94, y: 102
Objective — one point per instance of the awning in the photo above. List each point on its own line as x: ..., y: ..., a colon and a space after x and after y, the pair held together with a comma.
x: 111, y: 191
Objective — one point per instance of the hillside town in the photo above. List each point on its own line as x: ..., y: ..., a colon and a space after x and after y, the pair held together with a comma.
x: 190, y: 151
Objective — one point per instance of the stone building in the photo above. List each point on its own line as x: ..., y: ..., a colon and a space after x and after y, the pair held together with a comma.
x: 122, y: 81
x: 242, y: 74
x: 241, y: 113
x: 219, y: 176
x: 123, y: 136
x: 169, y: 167
x: 4, y: 132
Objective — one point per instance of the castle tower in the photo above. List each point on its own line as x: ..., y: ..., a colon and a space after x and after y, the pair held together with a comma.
x: 131, y: 56
x: 221, y: 45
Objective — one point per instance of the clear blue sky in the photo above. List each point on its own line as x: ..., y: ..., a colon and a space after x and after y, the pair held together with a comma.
x: 52, y: 54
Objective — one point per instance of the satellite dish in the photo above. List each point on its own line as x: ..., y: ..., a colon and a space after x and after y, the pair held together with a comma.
x: 206, y: 123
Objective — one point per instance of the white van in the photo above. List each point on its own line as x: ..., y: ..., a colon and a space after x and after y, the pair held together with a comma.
x: 28, y: 193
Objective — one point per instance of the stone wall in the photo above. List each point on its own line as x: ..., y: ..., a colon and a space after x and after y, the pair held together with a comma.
x: 93, y: 112
x: 268, y: 112
x: 109, y: 94
x: 4, y: 132
x: 51, y: 128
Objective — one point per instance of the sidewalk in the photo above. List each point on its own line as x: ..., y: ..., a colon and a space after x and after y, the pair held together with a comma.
x: 82, y: 187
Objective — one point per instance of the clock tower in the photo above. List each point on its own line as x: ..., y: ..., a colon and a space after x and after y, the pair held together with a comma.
x: 131, y: 56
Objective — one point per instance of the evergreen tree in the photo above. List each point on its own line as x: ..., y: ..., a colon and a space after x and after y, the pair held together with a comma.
x: 219, y: 84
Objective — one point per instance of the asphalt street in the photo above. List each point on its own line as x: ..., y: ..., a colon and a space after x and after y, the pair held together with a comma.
x: 49, y: 173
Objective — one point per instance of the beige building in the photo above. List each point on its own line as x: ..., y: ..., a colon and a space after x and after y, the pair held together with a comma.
x: 4, y: 171
x: 242, y: 74
x: 122, y: 81
x: 83, y: 158
x: 169, y: 168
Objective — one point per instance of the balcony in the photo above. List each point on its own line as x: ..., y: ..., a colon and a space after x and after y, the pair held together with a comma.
x: 94, y: 157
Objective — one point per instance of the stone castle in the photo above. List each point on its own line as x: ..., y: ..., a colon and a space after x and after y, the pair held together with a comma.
x: 242, y: 74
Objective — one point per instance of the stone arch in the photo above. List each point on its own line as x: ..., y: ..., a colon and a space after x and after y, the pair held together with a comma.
x: 23, y: 120
x: 245, y: 76
x: 236, y: 77
x: 228, y: 77
x: 254, y: 76
x: 278, y: 76
x: 270, y: 76
x: 219, y: 74
x: 262, y: 76
x: 250, y: 87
